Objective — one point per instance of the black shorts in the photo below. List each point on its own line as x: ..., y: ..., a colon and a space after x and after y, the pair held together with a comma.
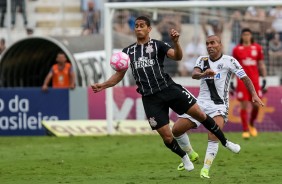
x: 156, y: 106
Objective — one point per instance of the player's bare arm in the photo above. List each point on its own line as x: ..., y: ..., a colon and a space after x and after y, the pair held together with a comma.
x: 46, y: 81
x: 72, y: 80
x: 198, y: 74
x: 249, y: 85
x: 112, y: 81
x: 262, y: 68
x: 176, y: 53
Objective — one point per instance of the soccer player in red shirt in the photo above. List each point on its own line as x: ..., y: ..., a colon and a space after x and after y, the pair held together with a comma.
x: 250, y: 56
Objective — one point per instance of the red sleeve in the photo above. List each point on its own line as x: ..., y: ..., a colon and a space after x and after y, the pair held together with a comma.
x: 260, y: 52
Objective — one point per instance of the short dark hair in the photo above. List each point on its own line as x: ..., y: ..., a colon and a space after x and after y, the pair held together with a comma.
x: 61, y: 52
x: 246, y: 30
x: 146, y: 19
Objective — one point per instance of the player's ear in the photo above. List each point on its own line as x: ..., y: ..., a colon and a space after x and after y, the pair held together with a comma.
x: 149, y: 29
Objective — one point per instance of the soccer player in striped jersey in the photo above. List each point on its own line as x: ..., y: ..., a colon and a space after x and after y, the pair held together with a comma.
x: 215, y: 72
x: 159, y: 92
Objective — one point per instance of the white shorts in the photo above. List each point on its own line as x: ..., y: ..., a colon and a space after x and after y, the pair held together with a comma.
x: 210, y: 109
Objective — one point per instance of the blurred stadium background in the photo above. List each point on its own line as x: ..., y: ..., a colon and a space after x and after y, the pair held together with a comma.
x: 30, y: 48
x: 32, y: 42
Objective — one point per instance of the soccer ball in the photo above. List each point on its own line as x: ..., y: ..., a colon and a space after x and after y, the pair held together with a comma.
x: 119, y: 61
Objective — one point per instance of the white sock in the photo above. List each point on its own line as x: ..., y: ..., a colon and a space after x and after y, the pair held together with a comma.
x: 184, y: 143
x: 211, y: 153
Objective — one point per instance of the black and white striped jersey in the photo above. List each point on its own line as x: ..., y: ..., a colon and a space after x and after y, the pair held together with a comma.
x: 215, y: 89
x: 147, y: 64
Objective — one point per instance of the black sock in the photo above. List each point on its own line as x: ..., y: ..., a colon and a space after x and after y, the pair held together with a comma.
x: 210, y: 124
x: 174, y: 147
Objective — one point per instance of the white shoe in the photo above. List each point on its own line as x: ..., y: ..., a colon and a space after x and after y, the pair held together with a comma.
x: 188, y: 165
x: 235, y: 148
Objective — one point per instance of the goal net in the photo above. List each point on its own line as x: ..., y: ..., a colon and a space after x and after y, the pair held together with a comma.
x: 194, y: 20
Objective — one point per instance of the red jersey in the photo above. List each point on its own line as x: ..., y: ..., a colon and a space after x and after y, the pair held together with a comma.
x: 61, y: 78
x: 248, y: 57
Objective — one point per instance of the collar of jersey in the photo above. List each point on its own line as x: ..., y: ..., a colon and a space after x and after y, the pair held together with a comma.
x: 217, y: 59
x: 144, y: 43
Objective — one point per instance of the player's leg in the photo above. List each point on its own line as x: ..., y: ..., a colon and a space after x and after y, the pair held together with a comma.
x: 210, y: 124
x: 212, y: 148
x: 244, y: 118
x: 182, y: 124
x: 184, y: 100
x: 172, y: 144
x: 254, y: 114
x: 157, y: 113
x: 179, y: 130
x: 244, y: 96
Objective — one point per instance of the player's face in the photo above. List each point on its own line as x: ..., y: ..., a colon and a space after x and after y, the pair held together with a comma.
x: 61, y: 58
x: 141, y: 29
x: 214, y: 46
x: 246, y: 36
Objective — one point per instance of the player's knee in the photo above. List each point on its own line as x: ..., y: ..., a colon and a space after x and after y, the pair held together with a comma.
x: 176, y: 132
x: 167, y: 139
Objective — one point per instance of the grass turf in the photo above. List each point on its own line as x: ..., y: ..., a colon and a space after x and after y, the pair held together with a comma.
x: 134, y: 160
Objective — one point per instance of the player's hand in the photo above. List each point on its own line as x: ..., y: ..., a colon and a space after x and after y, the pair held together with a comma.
x: 44, y: 88
x: 232, y: 88
x: 209, y: 73
x: 72, y: 86
x: 174, y: 35
x: 263, y: 87
x: 256, y: 99
x: 97, y: 87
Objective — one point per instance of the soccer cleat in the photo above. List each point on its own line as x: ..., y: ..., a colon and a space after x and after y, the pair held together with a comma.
x: 193, y: 157
x: 204, y: 173
x: 181, y: 167
x: 235, y: 148
x: 246, y: 135
x: 187, y: 164
x: 253, y: 131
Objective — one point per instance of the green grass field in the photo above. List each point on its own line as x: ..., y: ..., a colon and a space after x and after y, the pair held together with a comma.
x: 134, y: 160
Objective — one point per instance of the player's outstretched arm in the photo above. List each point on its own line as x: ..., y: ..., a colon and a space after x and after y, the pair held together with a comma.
x: 112, y: 81
x: 249, y: 85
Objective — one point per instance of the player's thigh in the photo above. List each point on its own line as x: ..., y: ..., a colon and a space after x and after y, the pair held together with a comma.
x: 156, y: 111
x: 197, y: 113
x: 179, y: 99
x: 182, y: 125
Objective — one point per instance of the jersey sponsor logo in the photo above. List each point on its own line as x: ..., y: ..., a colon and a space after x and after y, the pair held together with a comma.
x: 152, y: 122
x: 217, y: 76
x: 144, y: 62
x: 249, y: 62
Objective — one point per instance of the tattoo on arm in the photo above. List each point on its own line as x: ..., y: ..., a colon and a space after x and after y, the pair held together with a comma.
x: 249, y: 85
